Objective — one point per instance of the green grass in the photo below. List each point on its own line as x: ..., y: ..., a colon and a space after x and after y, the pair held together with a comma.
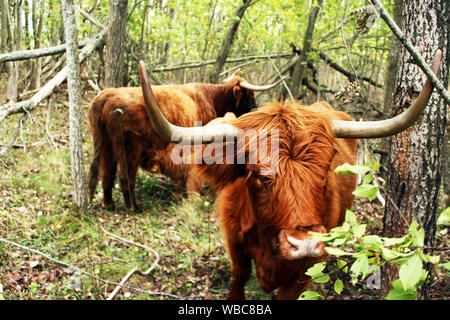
x: 36, y: 211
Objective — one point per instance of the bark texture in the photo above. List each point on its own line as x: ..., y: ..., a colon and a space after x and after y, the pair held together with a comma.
x: 73, y: 80
x: 416, y: 155
x: 115, y: 55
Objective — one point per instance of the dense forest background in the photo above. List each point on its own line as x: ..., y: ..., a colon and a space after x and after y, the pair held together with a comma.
x: 321, y: 46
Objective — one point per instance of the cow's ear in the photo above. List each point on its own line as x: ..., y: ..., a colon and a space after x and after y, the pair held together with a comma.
x: 247, y: 219
x: 237, y: 93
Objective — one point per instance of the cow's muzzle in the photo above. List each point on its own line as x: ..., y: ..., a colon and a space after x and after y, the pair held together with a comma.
x: 295, y: 245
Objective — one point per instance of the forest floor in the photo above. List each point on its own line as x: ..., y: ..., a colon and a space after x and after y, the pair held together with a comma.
x: 36, y: 212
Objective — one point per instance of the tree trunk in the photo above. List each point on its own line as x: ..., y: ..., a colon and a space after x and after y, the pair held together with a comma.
x: 115, y: 55
x: 393, y: 59
x: 4, y: 25
x: 37, y: 28
x: 228, y: 41
x: 415, y: 155
x: 300, y: 67
x: 73, y: 80
x: 390, y: 77
x: 16, y: 44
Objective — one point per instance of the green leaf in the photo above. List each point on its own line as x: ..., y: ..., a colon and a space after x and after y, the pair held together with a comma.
x: 342, y: 264
x: 411, y: 272
x: 399, y: 293
x: 373, y: 240
x: 427, y: 258
x: 338, y: 231
x: 446, y: 265
x: 393, y: 241
x: 310, y: 295
x: 366, y: 191
x: 368, y: 178
x: 444, y: 217
x: 347, y: 168
x: 350, y: 217
x: 360, y: 266
x: 337, y: 252
x: 417, y: 233
x: 316, y: 269
x: 321, y: 236
x: 359, y: 231
x: 339, y: 241
x: 338, y: 286
x: 376, y: 165
x: 322, y: 278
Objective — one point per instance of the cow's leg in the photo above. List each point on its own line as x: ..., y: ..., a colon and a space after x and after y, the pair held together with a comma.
x: 109, y: 169
x: 128, y: 167
x: 108, y: 178
x: 127, y: 177
x: 293, y: 290
x: 241, y: 268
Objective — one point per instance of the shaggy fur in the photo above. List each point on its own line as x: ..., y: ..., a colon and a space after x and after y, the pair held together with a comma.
x: 119, y: 123
x: 257, y: 211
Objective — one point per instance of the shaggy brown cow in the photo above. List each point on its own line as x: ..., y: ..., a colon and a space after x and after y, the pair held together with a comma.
x: 267, y: 217
x: 121, y: 129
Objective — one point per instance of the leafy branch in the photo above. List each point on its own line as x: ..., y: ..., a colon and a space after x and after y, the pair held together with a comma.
x: 366, y: 253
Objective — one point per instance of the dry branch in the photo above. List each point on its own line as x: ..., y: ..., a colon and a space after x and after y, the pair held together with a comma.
x: 348, y: 74
x: 90, y: 18
x: 47, y: 89
x: 36, y: 53
x: 208, y: 62
x: 135, y: 269
x: 75, y: 268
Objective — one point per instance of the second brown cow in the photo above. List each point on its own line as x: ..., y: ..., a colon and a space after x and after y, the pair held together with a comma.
x: 123, y: 135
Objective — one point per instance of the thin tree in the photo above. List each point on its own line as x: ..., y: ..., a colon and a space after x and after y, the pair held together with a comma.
x: 228, y: 40
x: 115, y: 54
x: 37, y: 34
x: 415, y: 155
x: 73, y: 80
x: 15, y: 44
x: 300, y: 67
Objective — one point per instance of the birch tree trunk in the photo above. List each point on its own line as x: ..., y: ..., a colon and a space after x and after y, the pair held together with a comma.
x: 16, y: 44
x: 115, y: 62
x: 4, y: 25
x: 73, y: 80
x: 416, y: 155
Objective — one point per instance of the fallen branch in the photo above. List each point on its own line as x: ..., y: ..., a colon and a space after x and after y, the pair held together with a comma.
x: 232, y: 60
x: 135, y: 269
x: 75, y: 268
x: 137, y: 245
x: 37, y: 53
x: 47, y: 122
x: 348, y: 74
x: 47, y: 89
x: 125, y: 279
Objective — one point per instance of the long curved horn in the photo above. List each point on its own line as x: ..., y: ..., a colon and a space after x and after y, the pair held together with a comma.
x: 253, y: 87
x: 172, y: 133
x: 388, y: 127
